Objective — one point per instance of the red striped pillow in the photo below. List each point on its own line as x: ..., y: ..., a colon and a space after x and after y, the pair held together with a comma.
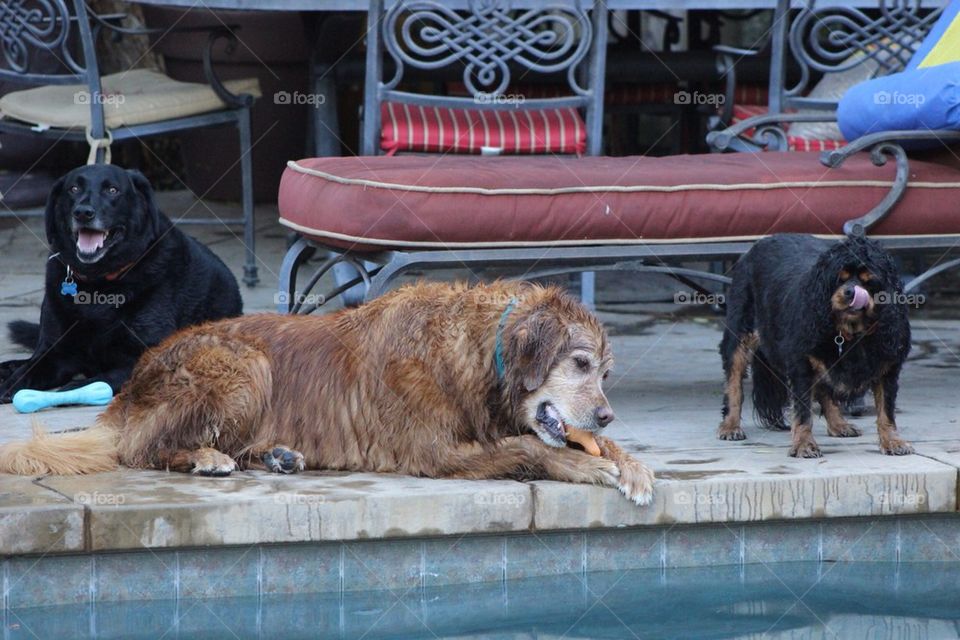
x: 419, y: 129
x: 796, y: 143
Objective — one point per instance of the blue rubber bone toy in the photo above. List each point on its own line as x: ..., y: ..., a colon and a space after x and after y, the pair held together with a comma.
x: 30, y: 400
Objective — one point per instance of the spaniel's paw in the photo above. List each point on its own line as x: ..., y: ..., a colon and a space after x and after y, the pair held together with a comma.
x: 728, y: 431
x: 895, y: 447
x: 844, y: 430
x: 807, y: 448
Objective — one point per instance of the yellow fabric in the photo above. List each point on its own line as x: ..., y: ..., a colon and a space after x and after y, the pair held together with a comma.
x: 947, y: 49
x: 132, y: 97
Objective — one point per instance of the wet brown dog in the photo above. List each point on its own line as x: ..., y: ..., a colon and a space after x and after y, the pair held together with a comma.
x: 430, y: 380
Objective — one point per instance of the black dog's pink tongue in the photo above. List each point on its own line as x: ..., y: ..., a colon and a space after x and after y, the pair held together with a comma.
x: 860, y: 298
x: 89, y: 240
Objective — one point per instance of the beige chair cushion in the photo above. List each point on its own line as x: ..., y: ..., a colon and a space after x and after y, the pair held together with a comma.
x: 133, y: 97
x: 831, y: 87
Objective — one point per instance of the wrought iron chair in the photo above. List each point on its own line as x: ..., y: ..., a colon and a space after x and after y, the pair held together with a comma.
x: 485, y: 47
x: 492, y: 43
x: 833, y: 40
x: 817, y: 42
x: 78, y: 104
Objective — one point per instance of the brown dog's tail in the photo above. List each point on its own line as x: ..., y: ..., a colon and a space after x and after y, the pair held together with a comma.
x: 73, y: 452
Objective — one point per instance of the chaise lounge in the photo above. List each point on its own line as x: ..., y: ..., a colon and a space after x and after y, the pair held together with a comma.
x: 541, y: 216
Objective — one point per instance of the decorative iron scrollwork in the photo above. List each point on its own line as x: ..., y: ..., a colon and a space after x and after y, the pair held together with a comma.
x: 828, y: 40
x: 486, y: 39
x: 34, y: 24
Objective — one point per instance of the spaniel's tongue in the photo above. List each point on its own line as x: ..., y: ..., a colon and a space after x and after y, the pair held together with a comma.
x: 90, y: 240
x: 860, y: 298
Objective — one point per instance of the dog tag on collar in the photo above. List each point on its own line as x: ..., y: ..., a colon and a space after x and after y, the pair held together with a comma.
x: 68, y: 287
x: 839, y: 342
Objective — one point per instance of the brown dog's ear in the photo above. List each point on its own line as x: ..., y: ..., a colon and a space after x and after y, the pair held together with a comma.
x: 533, y: 346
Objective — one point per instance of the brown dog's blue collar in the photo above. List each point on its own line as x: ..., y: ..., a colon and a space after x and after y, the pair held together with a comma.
x: 498, y: 348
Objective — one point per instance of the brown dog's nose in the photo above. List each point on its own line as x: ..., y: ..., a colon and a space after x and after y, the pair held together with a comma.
x: 603, y: 416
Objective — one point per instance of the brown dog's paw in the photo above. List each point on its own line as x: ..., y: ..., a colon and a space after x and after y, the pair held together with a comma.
x: 636, y: 481
x: 844, y: 430
x: 805, y: 449
x: 896, y: 447
x: 210, y: 462
x: 594, y: 470
x: 282, y: 459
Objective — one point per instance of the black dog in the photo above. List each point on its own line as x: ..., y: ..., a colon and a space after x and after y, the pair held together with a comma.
x: 817, y: 322
x: 120, y: 279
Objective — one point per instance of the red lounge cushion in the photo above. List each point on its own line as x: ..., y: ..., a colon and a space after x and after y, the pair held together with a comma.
x: 466, y: 201
x: 794, y: 143
x: 420, y: 129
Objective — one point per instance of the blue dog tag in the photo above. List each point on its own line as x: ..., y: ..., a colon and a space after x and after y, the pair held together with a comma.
x: 68, y: 287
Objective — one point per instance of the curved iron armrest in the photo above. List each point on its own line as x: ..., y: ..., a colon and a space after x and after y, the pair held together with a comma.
x: 727, y: 69
x: 232, y: 100
x: 881, y: 145
x: 768, y: 130
x: 216, y: 32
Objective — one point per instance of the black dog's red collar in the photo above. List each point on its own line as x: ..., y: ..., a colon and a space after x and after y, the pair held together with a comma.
x: 110, y: 277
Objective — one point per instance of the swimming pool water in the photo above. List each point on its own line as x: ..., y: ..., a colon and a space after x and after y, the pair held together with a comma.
x: 795, y: 600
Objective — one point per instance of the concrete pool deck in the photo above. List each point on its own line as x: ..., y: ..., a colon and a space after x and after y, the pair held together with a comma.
x: 667, y: 400
x: 666, y: 391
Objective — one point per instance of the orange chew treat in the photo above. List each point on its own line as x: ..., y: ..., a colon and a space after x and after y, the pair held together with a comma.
x: 585, y: 439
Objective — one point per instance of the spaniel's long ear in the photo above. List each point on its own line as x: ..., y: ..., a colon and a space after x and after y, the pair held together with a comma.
x: 822, y: 282
x: 889, y: 270
x: 50, y: 215
x: 533, y: 346
x: 151, y: 210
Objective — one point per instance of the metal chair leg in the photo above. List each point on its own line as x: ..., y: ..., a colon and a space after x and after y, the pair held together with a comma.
x: 588, y: 285
x: 326, y: 124
x: 246, y: 170
x: 381, y: 281
x: 342, y: 274
x: 298, y: 253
